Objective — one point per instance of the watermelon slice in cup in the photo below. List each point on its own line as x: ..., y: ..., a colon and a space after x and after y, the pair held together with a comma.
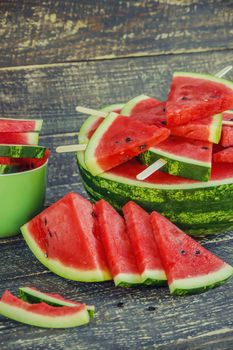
x: 193, y: 96
x: 20, y: 125
x: 119, y: 139
x: 22, y: 151
x: 190, y: 268
x: 42, y: 314
x: 143, y: 243
x: 118, y: 249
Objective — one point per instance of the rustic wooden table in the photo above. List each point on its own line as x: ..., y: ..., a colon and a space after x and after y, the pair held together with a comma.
x: 58, y: 54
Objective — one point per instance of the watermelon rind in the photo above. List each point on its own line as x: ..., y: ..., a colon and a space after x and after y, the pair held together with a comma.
x: 154, y: 277
x: 178, y: 165
x: 22, y: 151
x: 33, y: 138
x: 89, y: 155
x: 127, y: 108
x: 31, y: 295
x: 8, y: 169
x: 78, y: 318
x: 216, y: 128
x: 59, y: 268
x: 199, y: 284
x: 127, y: 280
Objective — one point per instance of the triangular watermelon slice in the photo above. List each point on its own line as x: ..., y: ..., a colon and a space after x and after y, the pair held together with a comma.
x: 144, y: 246
x: 118, y: 249
x: 193, y: 96
x: 65, y: 238
x: 227, y: 129
x: 138, y: 104
x: 190, y: 268
x: 185, y: 157
x: 119, y: 139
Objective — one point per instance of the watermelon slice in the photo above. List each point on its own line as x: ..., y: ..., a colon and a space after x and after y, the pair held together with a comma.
x: 143, y: 243
x: 193, y: 96
x: 33, y: 295
x: 138, y: 104
x: 224, y: 156
x: 208, y: 129
x: 20, y: 138
x: 187, y: 158
x: 227, y: 130
x: 43, y: 315
x: 22, y: 151
x: 190, y: 268
x: 118, y: 249
x: 69, y: 247
x: 119, y: 139
x: 20, y: 125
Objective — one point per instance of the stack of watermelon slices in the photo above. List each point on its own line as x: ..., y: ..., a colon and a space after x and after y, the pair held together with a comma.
x: 192, y: 116
x: 19, y: 150
x: 93, y: 243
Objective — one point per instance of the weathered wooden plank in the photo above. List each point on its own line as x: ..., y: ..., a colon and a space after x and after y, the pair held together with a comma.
x: 62, y: 31
x: 139, y: 318
x: 52, y: 92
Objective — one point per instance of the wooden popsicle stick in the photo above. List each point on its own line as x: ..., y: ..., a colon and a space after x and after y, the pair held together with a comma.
x: 91, y: 111
x: 71, y: 148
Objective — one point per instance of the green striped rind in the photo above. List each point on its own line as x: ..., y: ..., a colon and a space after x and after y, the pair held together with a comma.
x: 22, y: 151
x: 154, y: 278
x: 127, y: 280
x: 32, y: 296
x: 177, y: 165
x: 127, y: 108
x: 207, y: 77
x: 199, y: 284
x: 215, y: 128
x: 89, y: 155
x: 78, y: 318
x: 9, y: 169
x: 60, y: 269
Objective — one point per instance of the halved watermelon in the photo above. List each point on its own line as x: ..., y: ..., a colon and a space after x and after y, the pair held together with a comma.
x: 224, y: 156
x: 118, y: 249
x: 20, y: 125
x: 193, y: 96
x: 190, y: 268
x: 65, y: 238
x: 143, y: 243
x: 33, y: 295
x: 185, y: 157
x: 42, y: 314
x: 20, y: 138
x: 138, y: 104
x: 22, y: 151
x: 119, y: 139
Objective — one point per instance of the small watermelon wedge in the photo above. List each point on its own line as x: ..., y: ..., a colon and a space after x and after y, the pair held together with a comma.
x: 20, y: 138
x: 22, y: 151
x: 190, y: 268
x: 20, y: 125
x: 138, y: 104
x: 32, y: 295
x: 119, y: 139
x: 185, y: 157
x: 227, y: 130
x: 193, y: 96
x: 65, y: 239
x: 224, y: 156
x: 42, y: 314
x: 144, y: 246
x: 118, y: 249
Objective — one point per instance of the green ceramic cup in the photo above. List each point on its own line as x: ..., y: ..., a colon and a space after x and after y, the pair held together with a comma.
x: 22, y: 196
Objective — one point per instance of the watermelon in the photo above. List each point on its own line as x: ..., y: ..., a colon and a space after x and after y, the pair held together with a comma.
x: 33, y: 295
x: 224, y: 156
x: 207, y: 129
x: 190, y: 268
x: 119, y: 139
x: 20, y: 125
x: 186, y: 158
x: 227, y: 130
x: 42, y: 314
x: 20, y: 138
x: 143, y: 243
x: 138, y: 104
x: 22, y: 151
x: 69, y: 247
x: 118, y: 249
x: 9, y: 168
x: 193, y: 96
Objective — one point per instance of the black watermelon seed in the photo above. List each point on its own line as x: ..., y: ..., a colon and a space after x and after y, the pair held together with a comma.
x: 197, y: 252
x: 185, y: 98
x: 94, y: 214
x: 117, y: 142
x: 45, y: 221
x: 151, y: 308
x: 182, y: 252
x: 231, y: 119
x: 164, y: 122
x: 164, y: 109
x: 128, y: 139
x: 142, y: 147
x: 204, y: 147
x: 120, y: 304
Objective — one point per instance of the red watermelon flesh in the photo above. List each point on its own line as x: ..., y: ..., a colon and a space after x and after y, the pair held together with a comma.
x: 193, y: 96
x: 143, y: 243
x: 20, y: 125
x: 119, y: 139
x: 94, y: 126
x: 42, y: 314
x: 224, y: 156
x: 144, y: 105
x: 227, y: 130
x: 19, y: 138
x: 118, y: 249
x: 152, y: 116
x: 189, y: 267
x: 65, y: 238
